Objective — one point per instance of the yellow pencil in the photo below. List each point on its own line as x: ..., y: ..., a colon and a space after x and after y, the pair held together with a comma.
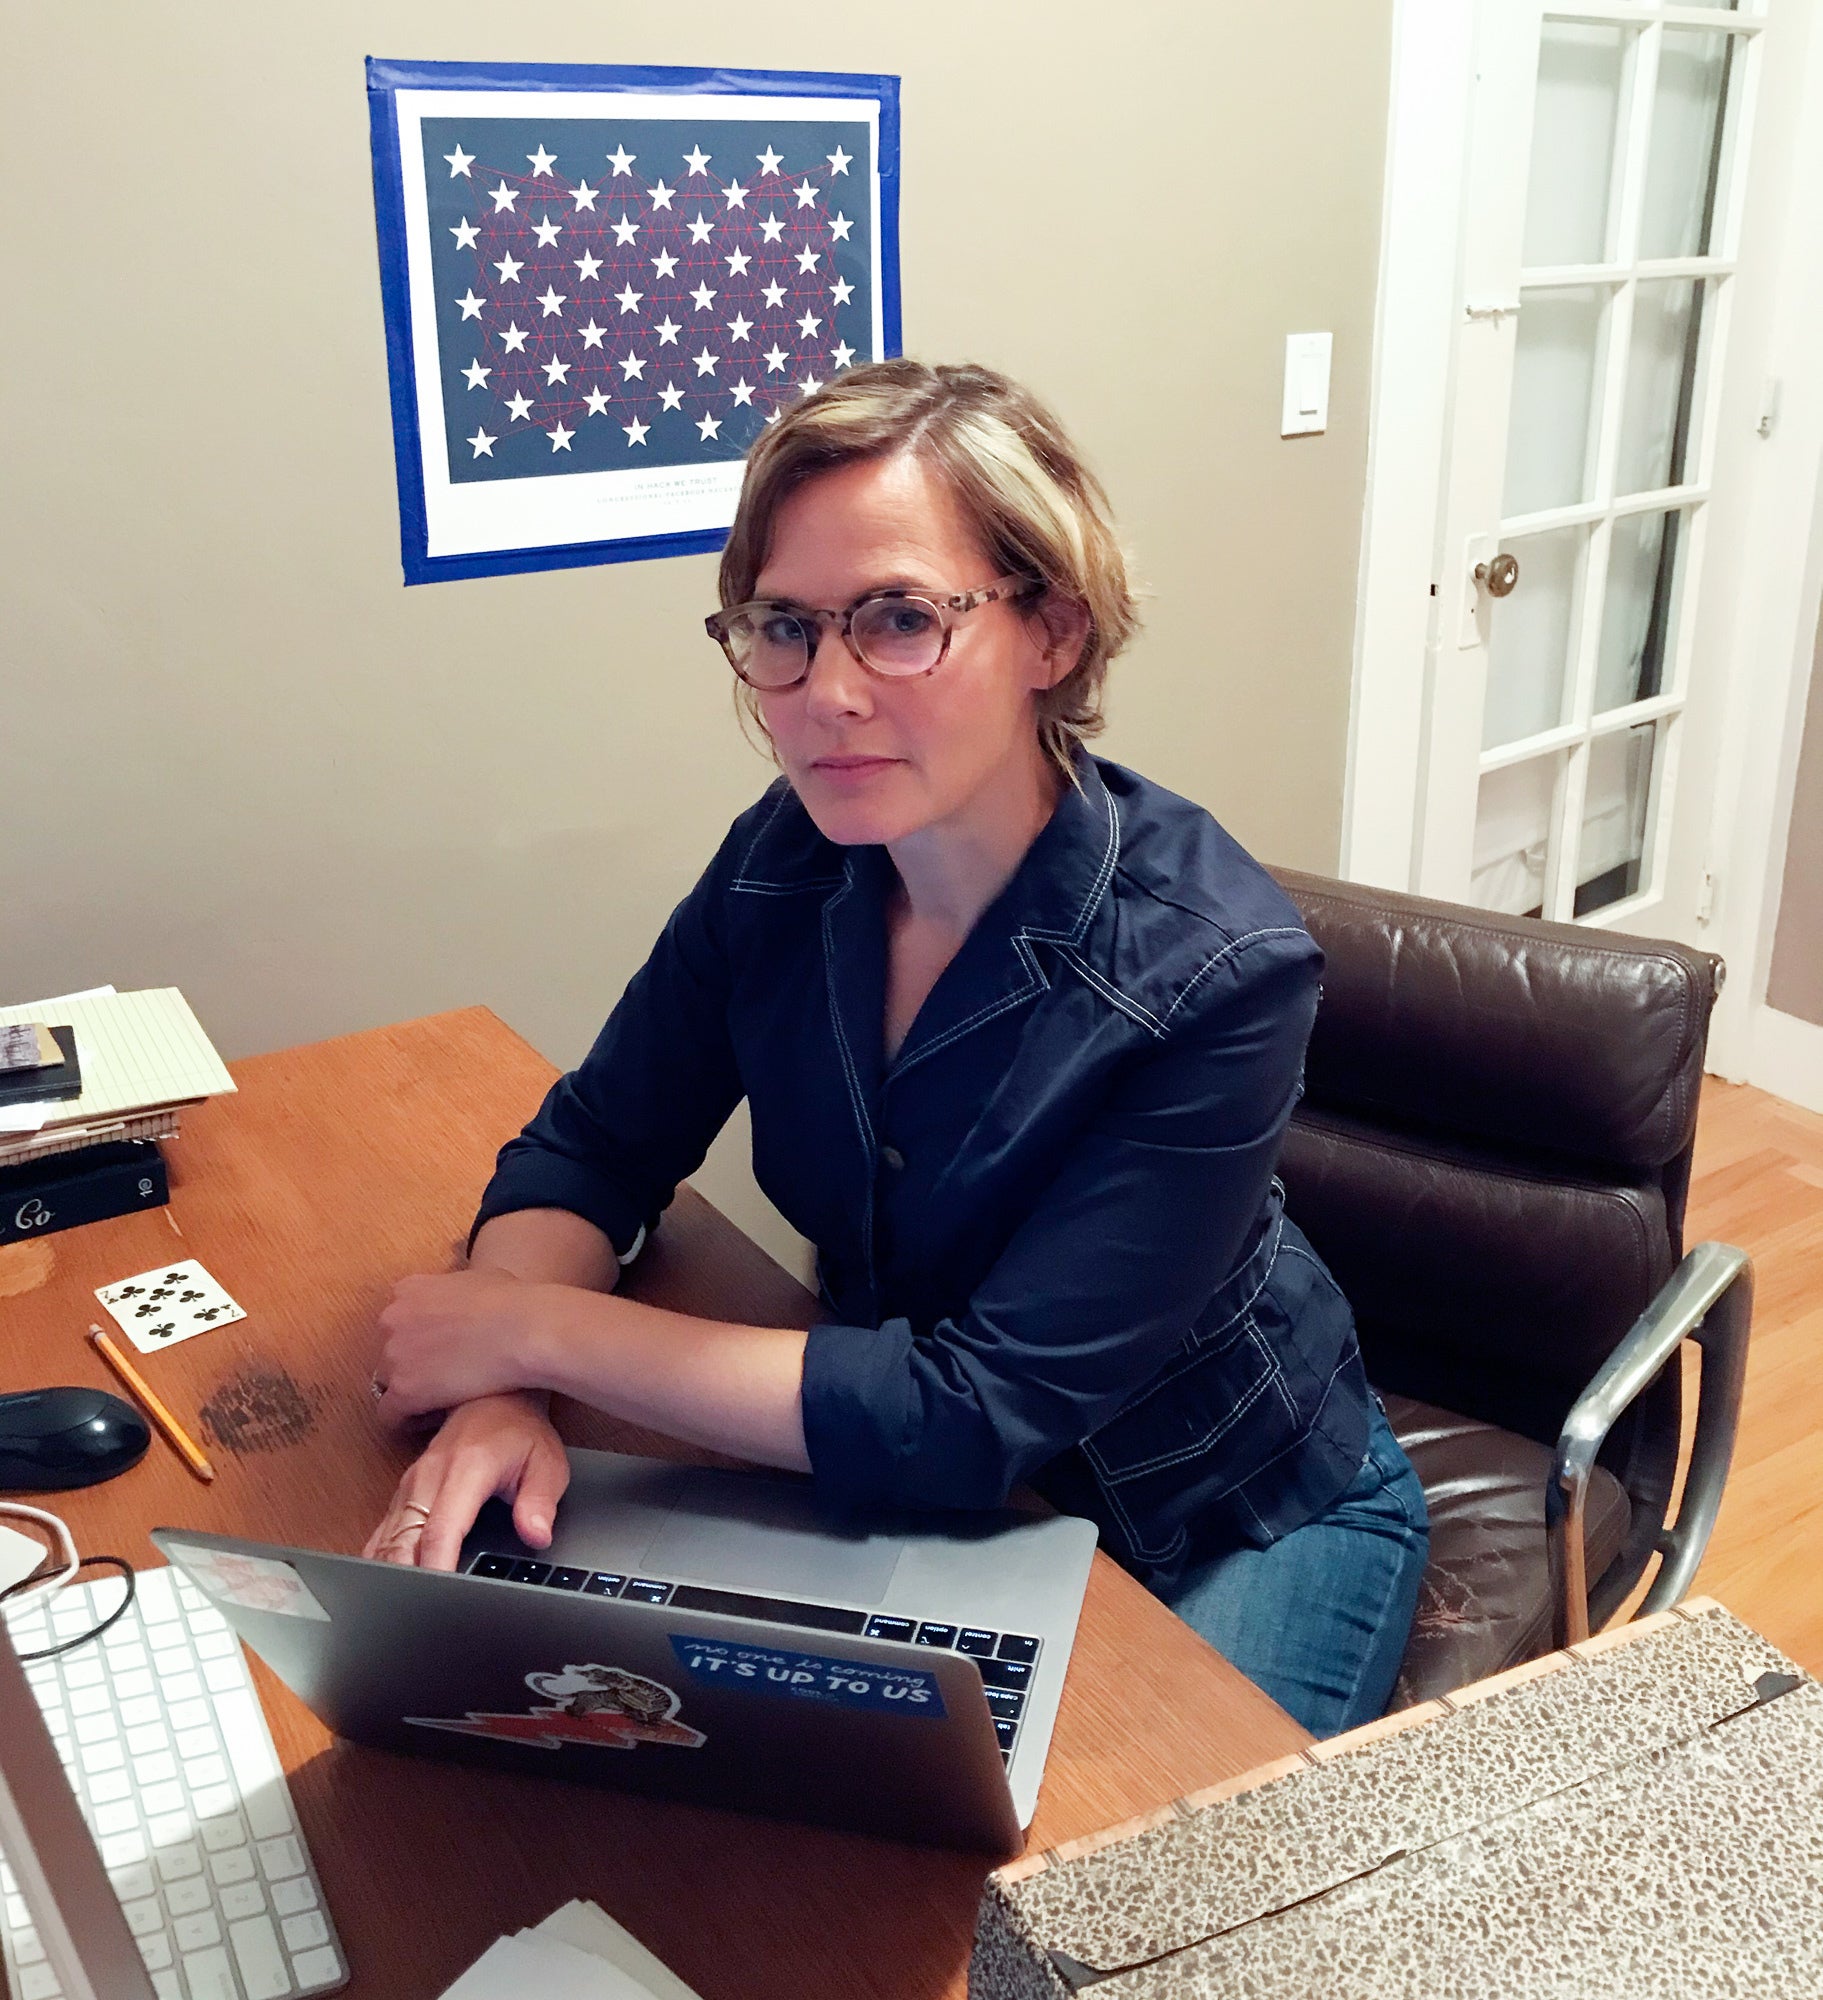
x: 173, y: 1430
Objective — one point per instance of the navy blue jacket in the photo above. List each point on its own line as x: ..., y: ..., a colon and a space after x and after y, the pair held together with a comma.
x: 1050, y: 1247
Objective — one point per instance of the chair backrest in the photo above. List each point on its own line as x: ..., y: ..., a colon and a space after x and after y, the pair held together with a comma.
x: 1493, y: 1153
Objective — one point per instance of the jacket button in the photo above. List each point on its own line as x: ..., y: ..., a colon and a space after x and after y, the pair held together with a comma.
x: 890, y: 1156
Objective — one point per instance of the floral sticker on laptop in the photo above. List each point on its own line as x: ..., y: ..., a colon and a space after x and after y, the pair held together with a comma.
x: 607, y: 1707
x: 254, y: 1583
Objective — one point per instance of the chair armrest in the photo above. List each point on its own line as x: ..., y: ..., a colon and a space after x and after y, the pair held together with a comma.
x: 1708, y: 1299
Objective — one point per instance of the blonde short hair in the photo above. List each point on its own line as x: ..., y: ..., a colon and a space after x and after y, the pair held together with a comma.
x: 1020, y: 484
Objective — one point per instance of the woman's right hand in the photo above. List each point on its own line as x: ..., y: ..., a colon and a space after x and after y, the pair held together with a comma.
x: 500, y: 1446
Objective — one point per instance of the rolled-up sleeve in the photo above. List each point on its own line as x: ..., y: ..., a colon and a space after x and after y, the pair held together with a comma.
x: 613, y: 1139
x: 1146, y: 1215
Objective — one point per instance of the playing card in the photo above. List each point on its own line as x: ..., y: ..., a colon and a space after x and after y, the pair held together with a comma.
x: 172, y: 1303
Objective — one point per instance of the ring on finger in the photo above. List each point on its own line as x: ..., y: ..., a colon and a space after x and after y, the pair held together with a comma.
x: 415, y: 1507
x: 375, y: 1387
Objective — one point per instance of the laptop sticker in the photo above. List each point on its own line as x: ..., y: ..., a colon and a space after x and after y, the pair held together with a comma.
x: 607, y: 1707
x: 808, y: 1676
x: 255, y: 1583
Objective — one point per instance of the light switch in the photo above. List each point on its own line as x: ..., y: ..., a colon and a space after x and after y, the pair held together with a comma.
x: 1306, y: 384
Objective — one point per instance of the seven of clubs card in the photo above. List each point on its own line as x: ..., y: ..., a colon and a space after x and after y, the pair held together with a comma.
x: 172, y: 1303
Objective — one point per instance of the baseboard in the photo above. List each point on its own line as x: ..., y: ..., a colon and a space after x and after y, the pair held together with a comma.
x: 1785, y: 1056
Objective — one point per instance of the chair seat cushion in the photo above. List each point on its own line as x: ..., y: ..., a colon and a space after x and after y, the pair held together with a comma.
x: 1486, y: 1599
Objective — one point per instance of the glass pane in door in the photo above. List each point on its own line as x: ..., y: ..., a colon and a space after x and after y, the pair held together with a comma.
x: 1678, y: 211
x: 1640, y: 608
x: 1572, y: 166
x: 1660, y: 406
x: 1514, y: 812
x: 1550, y: 454
x: 1616, y: 818
x: 1531, y: 634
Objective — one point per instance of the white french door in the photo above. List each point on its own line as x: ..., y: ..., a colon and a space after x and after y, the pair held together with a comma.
x: 1566, y: 755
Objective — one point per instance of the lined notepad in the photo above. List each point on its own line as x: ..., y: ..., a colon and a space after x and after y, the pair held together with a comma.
x: 142, y: 1054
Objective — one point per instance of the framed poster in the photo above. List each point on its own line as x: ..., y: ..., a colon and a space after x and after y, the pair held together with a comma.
x: 601, y: 284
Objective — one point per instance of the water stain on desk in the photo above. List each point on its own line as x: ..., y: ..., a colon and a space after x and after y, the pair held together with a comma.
x: 260, y: 1409
x: 25, y: 1266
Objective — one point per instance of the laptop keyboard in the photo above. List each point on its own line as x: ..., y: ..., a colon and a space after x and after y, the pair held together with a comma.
x: 1005, y: 1661
x: 172, y: 1764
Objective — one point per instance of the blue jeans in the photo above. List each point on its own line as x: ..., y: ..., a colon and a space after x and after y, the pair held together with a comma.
x: 1320, y: 1619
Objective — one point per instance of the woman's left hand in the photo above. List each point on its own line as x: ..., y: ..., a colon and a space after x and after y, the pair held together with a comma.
x: 463, y: 1334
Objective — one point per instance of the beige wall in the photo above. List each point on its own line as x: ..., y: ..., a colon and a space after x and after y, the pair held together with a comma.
x: 237, y: 755
x: 1796, y: 982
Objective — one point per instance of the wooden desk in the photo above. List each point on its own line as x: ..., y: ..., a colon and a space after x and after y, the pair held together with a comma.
x: 338, y: 1168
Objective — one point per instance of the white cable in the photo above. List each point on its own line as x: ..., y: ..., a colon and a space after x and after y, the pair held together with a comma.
x: 62, y: 1547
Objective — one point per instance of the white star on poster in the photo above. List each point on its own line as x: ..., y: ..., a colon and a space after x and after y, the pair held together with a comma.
x: 509, y: 269
x: 504, y: 197
x: 484, y: 445
x: 591, y: 334
x: 588, y: 265
x: 636, y: 432
x: 811, y: 385
x: 737, y: 262
x: 629, y: 299
x: 838, y: 161
x: 739, y: 327
x: 709, y: 427
x: 775, y: 359
x: 742, y: 392
x: 704, y: 298
x: 671, y: 396
x: 844, y: 354
x: 597, y: 400
x: 705, y: 362
x: 806, y: 194
x: 697, y: 160
x: 552, y: 300
x: 808, y: 324
x: 464, y: 233
x: 583, y: 195
x: 519, y: 407
x: 775, y: 294
x: 547, y: 232
x: 772, y: 416
x: 770, y: 162
x: 513, y: 339
x: 808, y: 260
x: 839, y: 226
x: 667, y: 331
x: 633, y: 366
x: 542, y: 162
x: 471, y: 306
x: 556, y: 371
x: 735, y: 195
x: 664, y: 263
x: 560, y: 438
x: 625, y: 229
x: 660, y: 196
x: 477, y: 375
x: 841, y: 291
x: 621, y: 160
x: 701, y: 229
x: 771, y: 228
x: 459, y: 163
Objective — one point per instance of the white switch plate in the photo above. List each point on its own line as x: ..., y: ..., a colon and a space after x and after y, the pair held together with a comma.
x: 1306, y: 384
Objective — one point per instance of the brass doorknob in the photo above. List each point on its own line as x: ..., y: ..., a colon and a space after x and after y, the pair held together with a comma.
x: 1499, y: 576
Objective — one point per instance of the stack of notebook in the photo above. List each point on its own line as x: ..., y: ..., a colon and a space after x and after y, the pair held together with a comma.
x: 142, y: 1058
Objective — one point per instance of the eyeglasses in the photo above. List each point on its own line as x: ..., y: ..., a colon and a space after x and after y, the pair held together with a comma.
x: 894, y: 633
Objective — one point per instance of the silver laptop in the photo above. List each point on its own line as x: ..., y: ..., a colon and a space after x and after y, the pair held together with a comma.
x: 702, y: 1635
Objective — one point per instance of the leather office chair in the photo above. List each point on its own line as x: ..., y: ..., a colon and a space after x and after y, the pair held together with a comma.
x: 1492, y: 1156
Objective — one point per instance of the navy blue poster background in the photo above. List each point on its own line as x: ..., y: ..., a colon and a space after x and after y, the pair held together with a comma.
x: 624, y: 292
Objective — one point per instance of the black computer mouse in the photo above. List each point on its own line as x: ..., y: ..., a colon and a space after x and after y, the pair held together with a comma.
x: 52, y: 1439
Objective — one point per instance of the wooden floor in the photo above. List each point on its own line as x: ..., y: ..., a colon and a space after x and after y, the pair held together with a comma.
x: 1759, y: 1183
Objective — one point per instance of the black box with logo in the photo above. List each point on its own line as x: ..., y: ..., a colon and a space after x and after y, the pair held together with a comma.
x: 39, y: 1197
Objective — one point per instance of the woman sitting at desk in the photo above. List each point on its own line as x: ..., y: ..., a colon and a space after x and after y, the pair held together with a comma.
x: 1020, y: 1033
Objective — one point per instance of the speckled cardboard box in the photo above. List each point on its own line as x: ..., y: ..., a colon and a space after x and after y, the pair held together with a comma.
x: 1640, y: 1818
